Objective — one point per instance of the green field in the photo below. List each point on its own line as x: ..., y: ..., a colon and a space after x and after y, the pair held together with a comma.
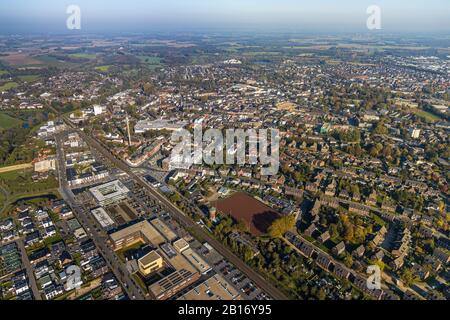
x: 3, y: 72
x: 7, y: 204
x: 19, y: 185
x: 29, y: 78
x: 262, y: 53
x: 89, y: 56
x: 46, y: 59
x: 8, y: 86
x: 7, y: 122
x: 151, y: 61
x: 3, y: 197
x: 427, y: 116
x: 20, y: 182
x: 103, y: 68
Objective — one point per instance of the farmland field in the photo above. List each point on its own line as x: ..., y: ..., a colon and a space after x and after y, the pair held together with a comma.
x: 19, y: 184
x: 29, y: 78
x: 150, y: 60
x: 48, y: 59
x: 262, y: 53
x: 19, y: 59
x: 89, y: 56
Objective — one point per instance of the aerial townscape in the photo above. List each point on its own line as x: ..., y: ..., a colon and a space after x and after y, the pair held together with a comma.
x: 93, y: 207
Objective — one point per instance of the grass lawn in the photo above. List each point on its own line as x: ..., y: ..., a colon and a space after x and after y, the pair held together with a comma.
x: 103, y: 68
x: 427, y: 116
x: 2, y: 198
x: 40, y: 197
x: 51, y: 240
x: 29, y: 78
x: 378, y: 220
x: 8, y: 86
x: 7, y: 121
x: 3, y: 72
x: 19, y: 185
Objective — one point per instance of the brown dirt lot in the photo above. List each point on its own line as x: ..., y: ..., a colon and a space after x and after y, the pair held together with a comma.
x: 242, y: 207
x: 18, y: 59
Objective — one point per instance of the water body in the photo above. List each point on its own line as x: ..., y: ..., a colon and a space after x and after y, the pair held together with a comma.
x: 48, y: 196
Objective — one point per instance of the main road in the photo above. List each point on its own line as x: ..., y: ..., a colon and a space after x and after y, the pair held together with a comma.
x: 184, y: 220
x: 100, y: 240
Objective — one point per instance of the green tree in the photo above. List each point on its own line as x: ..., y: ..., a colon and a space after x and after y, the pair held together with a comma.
x: 348, y: 260
x: 408, y: 277
x: 380, y: 128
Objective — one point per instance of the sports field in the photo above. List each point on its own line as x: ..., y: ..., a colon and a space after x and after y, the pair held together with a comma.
x: 242, y: 207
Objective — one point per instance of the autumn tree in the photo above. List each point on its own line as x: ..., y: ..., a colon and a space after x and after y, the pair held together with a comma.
x: 281, y: 225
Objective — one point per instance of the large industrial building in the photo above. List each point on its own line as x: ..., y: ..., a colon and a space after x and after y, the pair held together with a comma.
x: 164, y: 230
x: 214, y: 288
x: 196, y: 261
x: 161, y: 124
x: 103, y: 218
x: 165, y: 270
x: 141, y: 231
x: 109, y: 193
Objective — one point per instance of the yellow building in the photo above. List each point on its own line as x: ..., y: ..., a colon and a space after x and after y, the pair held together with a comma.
x: 150, y: 263
x: 182, y: 271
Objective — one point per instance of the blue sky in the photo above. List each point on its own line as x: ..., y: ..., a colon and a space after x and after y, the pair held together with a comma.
x: 267, y: 15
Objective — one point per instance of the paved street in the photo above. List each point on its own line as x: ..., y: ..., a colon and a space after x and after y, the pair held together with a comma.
x: 29, y: 269
x: 186, y: 221
x: 95, y: 233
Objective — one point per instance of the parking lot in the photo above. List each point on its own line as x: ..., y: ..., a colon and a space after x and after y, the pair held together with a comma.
x: 246, y: 288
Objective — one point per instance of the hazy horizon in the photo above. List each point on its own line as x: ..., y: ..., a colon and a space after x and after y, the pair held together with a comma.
x: 46, y: 16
